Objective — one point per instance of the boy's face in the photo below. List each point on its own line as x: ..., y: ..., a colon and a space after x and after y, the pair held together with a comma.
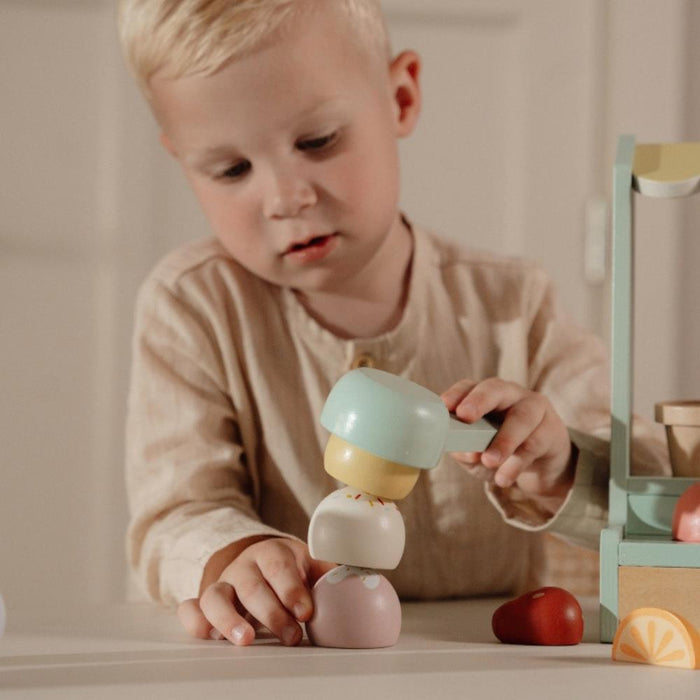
x: 292, y: 152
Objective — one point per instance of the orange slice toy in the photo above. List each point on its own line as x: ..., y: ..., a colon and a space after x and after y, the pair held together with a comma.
x: 658, y: 637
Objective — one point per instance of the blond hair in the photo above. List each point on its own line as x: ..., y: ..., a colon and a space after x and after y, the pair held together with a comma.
x: 187, y: 37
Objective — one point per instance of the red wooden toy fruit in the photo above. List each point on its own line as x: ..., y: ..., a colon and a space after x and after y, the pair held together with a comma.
x: 547, y: 616
x: 686, y: 515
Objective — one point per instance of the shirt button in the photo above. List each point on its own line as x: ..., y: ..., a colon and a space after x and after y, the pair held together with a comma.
x: 364, y: 360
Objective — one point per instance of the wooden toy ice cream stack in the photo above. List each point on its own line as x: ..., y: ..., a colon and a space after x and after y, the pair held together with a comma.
x: 384, y: 430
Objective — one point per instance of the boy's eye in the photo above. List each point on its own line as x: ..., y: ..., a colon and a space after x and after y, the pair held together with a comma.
x: 317, y: 144
x: 237, y: 170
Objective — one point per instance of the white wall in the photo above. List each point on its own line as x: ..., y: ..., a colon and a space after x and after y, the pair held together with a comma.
x: 688, y: 337
x: 651, y: 93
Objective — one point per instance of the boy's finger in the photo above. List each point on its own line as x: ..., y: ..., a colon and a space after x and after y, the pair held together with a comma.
x: 452, y: 397
x: 249, y: 618
x: 467, y: 458
x: 489, y: 395
x: 479, y: 471
x: 261, y: 601
x: 194, y: 621
x: 534, y: 447
x: 518, y: 433
x: 218, y: 606
x: 507, y: 474
x: 317, y: 568
x: 280, y: 569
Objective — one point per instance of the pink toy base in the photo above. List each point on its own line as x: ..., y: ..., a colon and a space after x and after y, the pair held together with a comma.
x: 354, y: 609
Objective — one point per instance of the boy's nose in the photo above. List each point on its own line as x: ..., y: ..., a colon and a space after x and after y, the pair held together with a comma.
x: 287, y: 196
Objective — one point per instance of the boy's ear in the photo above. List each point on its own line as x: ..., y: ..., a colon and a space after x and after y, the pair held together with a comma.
x: 167, y: 144
x: 404, y: 72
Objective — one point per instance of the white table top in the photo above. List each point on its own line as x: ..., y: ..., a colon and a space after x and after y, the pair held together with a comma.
x: 446, y: 650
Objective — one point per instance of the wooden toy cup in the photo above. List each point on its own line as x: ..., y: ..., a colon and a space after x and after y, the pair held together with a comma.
x: 682, y: 421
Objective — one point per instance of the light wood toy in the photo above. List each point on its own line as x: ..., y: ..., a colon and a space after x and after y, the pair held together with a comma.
x: 640, y: 564
x: 682, y: 421
x: 384, y: 431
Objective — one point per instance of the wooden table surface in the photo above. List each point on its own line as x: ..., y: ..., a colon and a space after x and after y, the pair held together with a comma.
x: 446, y: 650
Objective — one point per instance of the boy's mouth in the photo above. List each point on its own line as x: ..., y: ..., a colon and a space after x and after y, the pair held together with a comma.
x: 313, y: 242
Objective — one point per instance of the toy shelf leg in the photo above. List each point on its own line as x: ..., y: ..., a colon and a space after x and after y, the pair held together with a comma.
x: 610, y: 539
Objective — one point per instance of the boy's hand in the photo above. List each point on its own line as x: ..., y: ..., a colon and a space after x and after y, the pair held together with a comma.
x: 531, y: 449
x: 267, y: 584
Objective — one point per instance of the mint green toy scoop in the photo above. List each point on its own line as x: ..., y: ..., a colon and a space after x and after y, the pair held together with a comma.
x: 398, y: 420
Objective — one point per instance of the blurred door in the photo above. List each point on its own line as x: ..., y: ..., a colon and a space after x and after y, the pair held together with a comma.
x: 508, y: 154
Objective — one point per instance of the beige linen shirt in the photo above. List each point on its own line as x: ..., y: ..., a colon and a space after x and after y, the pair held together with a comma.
x: 229, y: 377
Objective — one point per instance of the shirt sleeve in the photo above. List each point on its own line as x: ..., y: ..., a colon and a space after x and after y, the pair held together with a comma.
x: 570, y: 367
x: 189, y: 487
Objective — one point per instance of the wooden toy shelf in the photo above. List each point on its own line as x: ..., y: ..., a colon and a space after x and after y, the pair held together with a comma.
x: 640, y: 564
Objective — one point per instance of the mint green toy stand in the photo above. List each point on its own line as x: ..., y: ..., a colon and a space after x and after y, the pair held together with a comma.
x: 398, y: 420
x: 640, y: 508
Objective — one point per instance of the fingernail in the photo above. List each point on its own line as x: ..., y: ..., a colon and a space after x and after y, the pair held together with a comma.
x: 494, y: 456
x: 466, y: 413
x: 301, y: 611
x: 215, y: 634
x: 237, y: 633
x: 502, y: 480
x: 290, y: 635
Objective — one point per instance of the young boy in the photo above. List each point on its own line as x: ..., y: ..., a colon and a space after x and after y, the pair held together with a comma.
x: 284, y: 116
